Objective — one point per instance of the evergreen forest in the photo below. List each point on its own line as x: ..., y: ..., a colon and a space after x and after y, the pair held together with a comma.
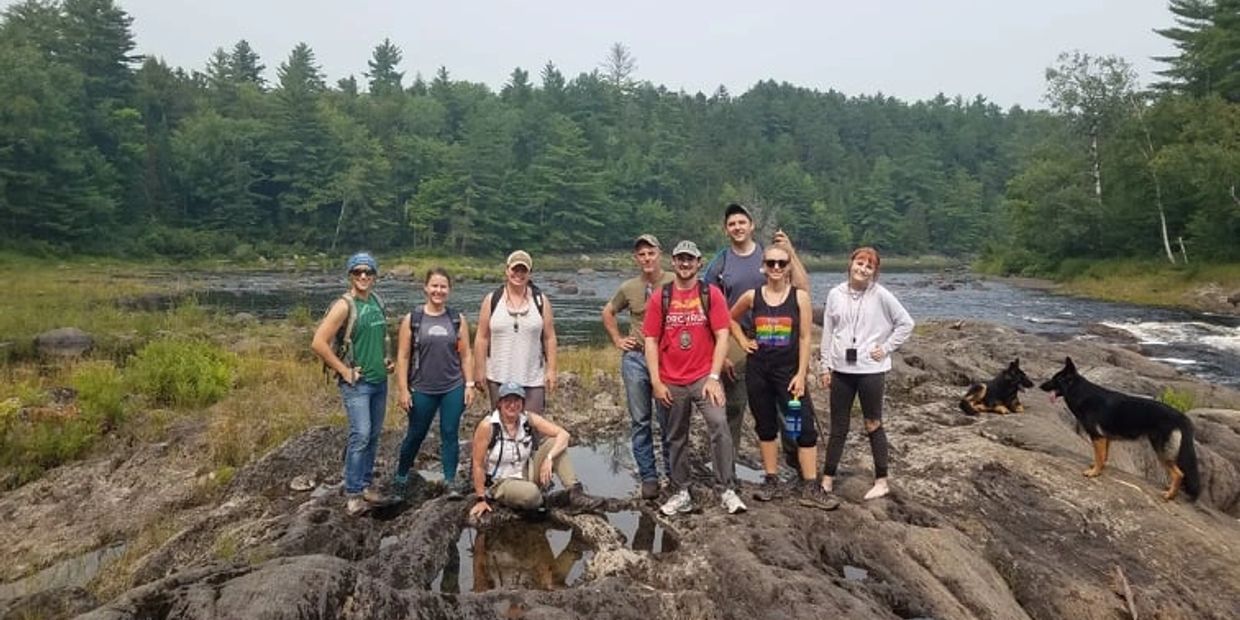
x: 106, y: 152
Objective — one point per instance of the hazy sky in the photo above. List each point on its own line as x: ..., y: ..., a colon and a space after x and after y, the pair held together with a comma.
x: 911, y: 49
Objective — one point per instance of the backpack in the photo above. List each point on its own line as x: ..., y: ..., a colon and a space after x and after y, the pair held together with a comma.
x: 536, y: 293
x: 703, y: 296
x: 721, y: 257
x: 415, y: 325
x: 342, y: 342
x: 496, y: 431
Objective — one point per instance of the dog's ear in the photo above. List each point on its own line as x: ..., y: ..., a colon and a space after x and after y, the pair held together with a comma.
x: 1068, y: 365
x: 1015, y: 365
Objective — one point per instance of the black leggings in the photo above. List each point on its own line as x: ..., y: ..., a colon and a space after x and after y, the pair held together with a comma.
x: 844, y: 389
x: 768, y: 392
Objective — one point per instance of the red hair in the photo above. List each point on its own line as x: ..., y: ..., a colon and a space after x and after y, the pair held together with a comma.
x: 870, y: 254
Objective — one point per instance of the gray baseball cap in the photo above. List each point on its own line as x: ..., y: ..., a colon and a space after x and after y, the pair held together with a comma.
x: 687, y: 247
x: 647, y: 239
x: 511, y: 389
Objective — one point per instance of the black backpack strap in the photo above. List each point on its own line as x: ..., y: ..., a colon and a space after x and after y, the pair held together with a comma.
x: 415, y: 325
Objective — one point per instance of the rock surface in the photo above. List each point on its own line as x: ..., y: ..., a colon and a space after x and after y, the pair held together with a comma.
x: 990, y: 518
x: 63, y: 342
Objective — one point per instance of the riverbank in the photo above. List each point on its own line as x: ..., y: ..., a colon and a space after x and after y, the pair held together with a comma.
x: 1201, y: 288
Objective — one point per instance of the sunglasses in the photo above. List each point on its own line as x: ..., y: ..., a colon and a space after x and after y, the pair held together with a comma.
x: 369, y: 273
x: 775, y: 263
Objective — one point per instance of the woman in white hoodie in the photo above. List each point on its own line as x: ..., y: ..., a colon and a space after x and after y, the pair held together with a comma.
x: 862, y: 326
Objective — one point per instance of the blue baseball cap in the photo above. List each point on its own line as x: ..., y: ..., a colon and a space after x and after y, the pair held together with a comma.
x: 511, y: 389
x: 361, y: 258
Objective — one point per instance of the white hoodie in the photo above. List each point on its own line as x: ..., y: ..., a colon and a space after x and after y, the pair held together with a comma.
x: 872, y: 318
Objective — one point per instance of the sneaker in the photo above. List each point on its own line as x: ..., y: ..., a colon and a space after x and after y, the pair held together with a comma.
x: 770, y: 489
x: 579, y: 499
x: 679, y: 503
x: 879, y: 489
x: 372, y: 495
x: 357, y: 505
x: 812, y: 496
x: 732, y: 502
x: 650, y: 489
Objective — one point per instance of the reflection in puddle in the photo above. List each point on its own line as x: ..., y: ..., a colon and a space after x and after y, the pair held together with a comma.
x: 516, y: 555
x: 643, y: 532
x: 606, y: 469
x: 749, y: 474
x: 853, y: 573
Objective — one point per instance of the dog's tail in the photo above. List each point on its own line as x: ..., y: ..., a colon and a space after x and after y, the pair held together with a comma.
x: 976, y: 393
x: 1186, y: 460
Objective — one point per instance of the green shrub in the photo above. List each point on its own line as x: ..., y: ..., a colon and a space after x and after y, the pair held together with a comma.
x: 181, y: 373
x: 100, y: 393
x: 1180, y: 400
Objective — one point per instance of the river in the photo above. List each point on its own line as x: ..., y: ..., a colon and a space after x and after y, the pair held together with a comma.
x: 1201, y: 344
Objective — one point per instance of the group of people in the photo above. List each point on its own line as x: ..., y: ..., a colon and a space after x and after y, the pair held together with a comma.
x: 719, y: 337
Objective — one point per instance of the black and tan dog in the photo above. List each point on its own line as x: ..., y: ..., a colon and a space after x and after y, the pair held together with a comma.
x: 999, y: 395
x: 1107, y: 414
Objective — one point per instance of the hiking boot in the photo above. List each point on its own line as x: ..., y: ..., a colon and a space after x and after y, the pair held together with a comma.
x: 458, y: 489
x: 372, y: 495
x: 356, y: 505
x: 812, y: 496
x: 579, y: 499
x: 680, y: 503
x: 650, y: 489
x: 770, y: 489
x: 732, y: 502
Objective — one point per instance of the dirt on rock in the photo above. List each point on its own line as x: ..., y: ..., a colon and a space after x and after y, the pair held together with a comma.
x: 990, y: 517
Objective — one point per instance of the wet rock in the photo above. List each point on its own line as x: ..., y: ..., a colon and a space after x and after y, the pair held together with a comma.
x: 585, y: 271
x: 63, y: 342
x: 301, y: 482
x: 567, y: 289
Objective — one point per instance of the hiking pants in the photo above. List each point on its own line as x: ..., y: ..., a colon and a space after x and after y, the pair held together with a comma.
x: 684, y: 399
x: 525, y: 493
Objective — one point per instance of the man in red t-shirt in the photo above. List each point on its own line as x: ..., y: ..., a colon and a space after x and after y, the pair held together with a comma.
x: 685, y: 348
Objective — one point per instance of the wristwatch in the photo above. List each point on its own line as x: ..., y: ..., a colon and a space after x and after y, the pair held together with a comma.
x: 713, y: 376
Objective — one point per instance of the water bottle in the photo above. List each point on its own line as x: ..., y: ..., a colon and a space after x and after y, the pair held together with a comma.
x: 792, y: 419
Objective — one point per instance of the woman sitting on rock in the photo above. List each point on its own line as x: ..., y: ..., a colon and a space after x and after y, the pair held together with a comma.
x: 434, y: 372
x: 514, y: 454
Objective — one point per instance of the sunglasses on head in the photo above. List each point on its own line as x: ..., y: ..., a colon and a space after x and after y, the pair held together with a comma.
x: 775, y: 263
x: 369, y: 273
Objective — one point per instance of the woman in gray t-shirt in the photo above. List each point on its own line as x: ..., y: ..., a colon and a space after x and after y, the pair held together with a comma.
x: 434, y: 368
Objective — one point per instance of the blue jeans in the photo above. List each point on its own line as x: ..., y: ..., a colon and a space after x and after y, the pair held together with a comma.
x: 365, y: 404
x: 637, y: 391
x: 450, y: 405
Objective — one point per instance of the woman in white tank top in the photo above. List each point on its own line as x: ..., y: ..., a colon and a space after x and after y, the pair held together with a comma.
x: 516, y: 342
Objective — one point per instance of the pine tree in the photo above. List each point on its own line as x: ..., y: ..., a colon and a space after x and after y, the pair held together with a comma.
x: 384, y: 78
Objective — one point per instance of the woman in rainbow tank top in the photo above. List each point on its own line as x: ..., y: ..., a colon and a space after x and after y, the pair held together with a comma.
x: 776, y: 373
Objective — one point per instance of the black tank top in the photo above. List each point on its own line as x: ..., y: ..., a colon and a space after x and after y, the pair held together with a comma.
x: 777, y: 329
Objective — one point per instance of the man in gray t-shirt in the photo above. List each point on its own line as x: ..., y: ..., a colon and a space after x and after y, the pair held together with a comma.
x: 737, y: 269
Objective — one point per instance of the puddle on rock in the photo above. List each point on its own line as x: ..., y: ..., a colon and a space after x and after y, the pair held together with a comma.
x: 643, y: 532
x: 516, y: 555
x: 853, y: 573
x: 606, y: 469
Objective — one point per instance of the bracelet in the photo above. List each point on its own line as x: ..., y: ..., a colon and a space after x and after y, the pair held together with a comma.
x: 470, y: 384
x: 713, y: 376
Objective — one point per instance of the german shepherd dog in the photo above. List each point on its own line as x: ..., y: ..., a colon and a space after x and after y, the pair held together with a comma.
x: 999, y: 395
x: 1107, y: 414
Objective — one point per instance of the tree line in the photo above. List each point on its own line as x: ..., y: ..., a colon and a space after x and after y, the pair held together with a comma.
x: 103, y: 151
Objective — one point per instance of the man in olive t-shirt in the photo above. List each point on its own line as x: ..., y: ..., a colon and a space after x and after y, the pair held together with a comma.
x: 632, y: 295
